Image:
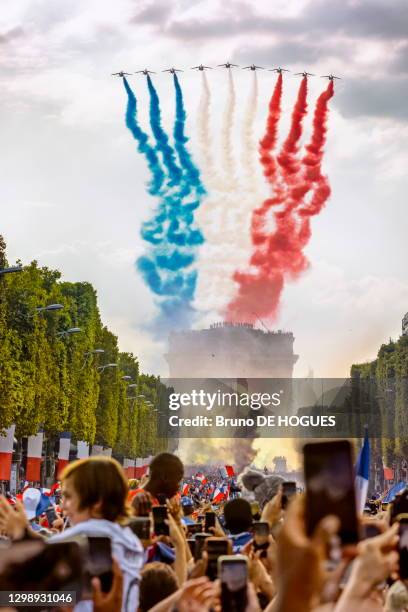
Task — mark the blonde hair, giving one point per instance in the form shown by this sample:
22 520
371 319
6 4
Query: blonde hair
99 480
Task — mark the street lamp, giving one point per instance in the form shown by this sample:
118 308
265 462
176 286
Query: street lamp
94 352
132 386
49 307
90 353
11 270
126 377
102 368
68 332
141 396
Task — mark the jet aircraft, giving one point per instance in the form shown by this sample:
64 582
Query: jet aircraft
172 70
280 70
121 74
253 67
146 72
201 67
304 74
331 77
228 65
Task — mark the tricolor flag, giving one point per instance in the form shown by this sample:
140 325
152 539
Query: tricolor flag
201 478
186 488
362 474
6 452
218 496
227 471
34 457
63 452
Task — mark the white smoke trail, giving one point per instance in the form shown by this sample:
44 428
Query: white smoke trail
203 129
225 216
227 157
248 155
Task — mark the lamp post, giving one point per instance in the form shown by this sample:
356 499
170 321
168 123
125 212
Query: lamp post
69 332
94 352
87 354
49 308
126 377
11 270
104 367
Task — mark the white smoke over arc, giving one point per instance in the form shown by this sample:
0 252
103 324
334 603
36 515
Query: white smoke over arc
225 216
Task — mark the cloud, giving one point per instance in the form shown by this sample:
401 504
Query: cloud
286 52
153 13
350 19
382 97
9 35
399 63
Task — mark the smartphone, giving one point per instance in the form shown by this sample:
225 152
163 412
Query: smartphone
100 561
233 574
199 544
34 565
329 478
194 528
209 520
51 516
159 518
140 526
370 531
403 549
288 491
216 547
261 531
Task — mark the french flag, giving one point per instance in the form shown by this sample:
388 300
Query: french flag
218 495
227 471
185 489
362 474
201 478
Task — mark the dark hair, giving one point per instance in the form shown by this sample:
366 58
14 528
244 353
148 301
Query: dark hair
158 581
237 515
264 487
166 466
99 479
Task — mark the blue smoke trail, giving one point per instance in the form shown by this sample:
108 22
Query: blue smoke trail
192 174
169 159
168 266
142 139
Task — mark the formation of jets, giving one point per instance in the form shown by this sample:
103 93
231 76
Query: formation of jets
228 66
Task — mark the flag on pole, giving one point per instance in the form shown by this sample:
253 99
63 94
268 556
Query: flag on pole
230 471
218 496
362 474
185 489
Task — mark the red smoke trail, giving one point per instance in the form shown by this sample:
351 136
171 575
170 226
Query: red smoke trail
279 255
287 157
268 142
311 162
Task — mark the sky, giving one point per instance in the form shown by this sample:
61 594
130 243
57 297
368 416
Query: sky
73 186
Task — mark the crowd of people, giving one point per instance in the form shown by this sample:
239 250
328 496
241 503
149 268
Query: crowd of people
172 544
